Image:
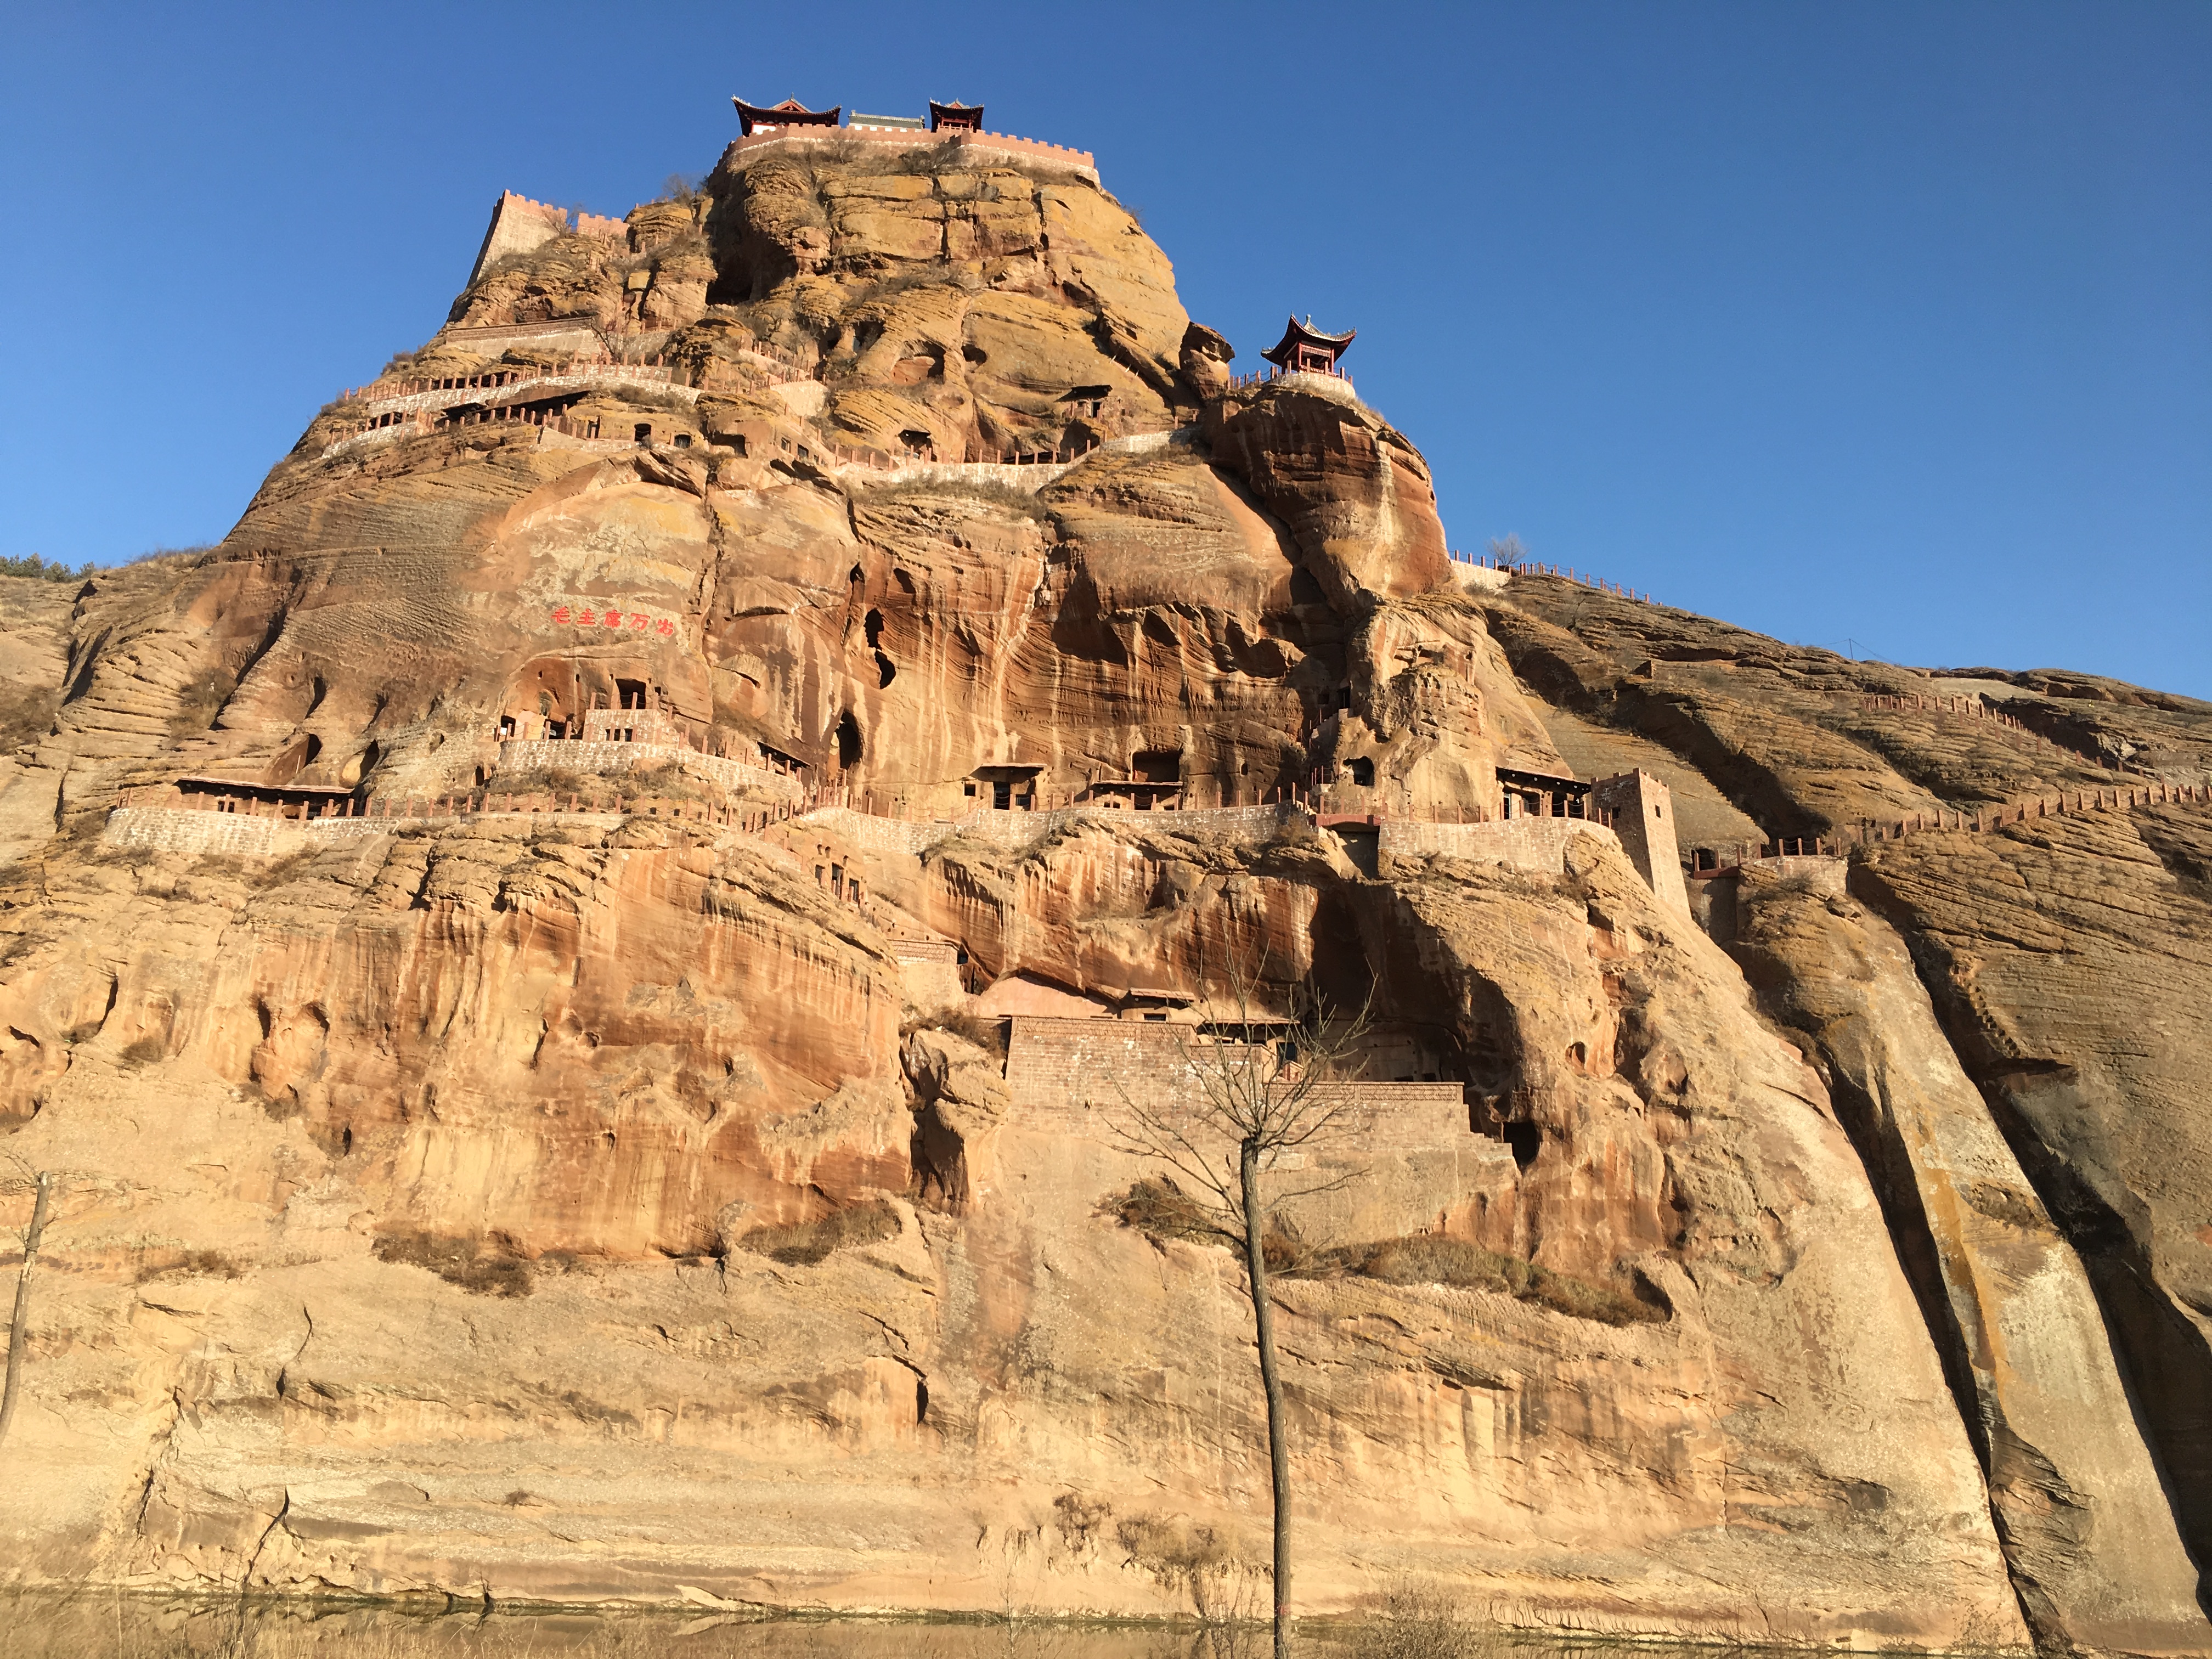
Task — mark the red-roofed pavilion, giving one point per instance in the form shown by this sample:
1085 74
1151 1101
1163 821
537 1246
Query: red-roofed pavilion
788 113
1305 348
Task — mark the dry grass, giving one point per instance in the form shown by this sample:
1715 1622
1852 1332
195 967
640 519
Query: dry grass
104 1625
199 702
1432 1259
803 1244
478 1265
190 1264
1417 1624
26 714
1158 1208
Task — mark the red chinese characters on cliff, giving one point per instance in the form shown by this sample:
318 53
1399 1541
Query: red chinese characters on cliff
586 615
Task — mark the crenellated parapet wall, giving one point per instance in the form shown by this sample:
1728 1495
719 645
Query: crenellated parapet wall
518 224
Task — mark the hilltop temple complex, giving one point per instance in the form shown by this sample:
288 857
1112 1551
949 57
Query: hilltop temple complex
582 976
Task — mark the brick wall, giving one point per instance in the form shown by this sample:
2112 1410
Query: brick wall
932 985
1072 1074
924 950
1405 1152
642 725
172 829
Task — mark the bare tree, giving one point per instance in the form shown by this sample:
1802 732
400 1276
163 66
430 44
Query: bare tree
17 1325
1258 1088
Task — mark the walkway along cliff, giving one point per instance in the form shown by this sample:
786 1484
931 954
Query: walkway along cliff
571 978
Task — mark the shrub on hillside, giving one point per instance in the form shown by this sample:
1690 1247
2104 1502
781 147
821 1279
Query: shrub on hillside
1433 1258
31 565
804 1243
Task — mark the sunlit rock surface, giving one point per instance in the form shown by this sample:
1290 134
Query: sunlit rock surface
578 1204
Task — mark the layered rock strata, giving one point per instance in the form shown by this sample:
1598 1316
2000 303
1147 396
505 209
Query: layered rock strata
591 1204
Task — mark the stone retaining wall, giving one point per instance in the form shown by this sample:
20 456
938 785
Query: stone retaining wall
1031 477
1085 1075
173 830
612 759
513 389
182 829
1537 845
914 837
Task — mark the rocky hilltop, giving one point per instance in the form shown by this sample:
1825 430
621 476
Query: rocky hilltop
573 976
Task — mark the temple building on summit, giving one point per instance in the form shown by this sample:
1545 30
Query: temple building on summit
788 113
955 117
1305 348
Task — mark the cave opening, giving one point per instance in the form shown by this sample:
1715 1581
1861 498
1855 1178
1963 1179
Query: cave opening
1526 1140
848 741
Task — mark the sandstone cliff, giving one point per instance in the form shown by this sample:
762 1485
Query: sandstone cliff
574 1165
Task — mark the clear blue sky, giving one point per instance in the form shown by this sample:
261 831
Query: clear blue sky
1882 326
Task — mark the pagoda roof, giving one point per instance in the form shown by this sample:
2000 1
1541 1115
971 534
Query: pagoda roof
956 115
788 113
1295 334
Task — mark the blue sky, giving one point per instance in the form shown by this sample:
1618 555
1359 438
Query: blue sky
1885 327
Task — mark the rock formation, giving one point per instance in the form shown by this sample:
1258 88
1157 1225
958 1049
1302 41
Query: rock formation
575 974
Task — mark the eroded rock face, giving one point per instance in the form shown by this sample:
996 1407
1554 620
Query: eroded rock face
569 1206
339 1304
2059 954
2094 1549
